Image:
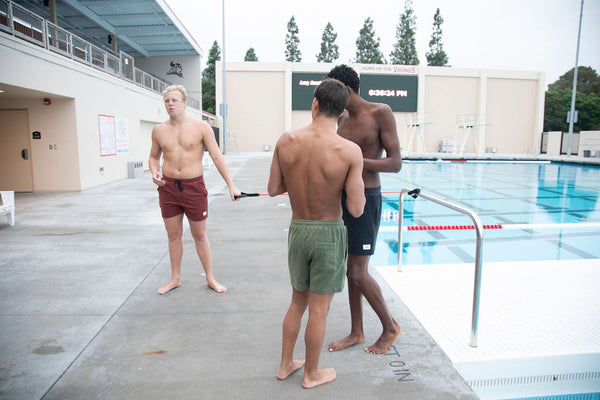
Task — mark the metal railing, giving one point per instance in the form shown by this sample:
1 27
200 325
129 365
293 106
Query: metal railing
28 26
24 24
478 250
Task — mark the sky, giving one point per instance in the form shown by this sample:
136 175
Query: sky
519 35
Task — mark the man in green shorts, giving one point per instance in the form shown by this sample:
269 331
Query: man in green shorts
314 165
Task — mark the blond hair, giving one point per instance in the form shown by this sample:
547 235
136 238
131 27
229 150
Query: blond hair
178 88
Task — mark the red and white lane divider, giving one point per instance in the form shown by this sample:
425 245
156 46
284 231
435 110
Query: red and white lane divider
578 225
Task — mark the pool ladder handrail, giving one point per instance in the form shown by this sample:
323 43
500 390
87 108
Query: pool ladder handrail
478 250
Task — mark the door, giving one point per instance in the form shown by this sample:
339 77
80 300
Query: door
16 172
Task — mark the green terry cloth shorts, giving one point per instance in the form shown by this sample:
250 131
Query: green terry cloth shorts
317 255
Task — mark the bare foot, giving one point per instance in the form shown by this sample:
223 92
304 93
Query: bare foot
320 377
287 370
348 341
173 284
216 286
385 341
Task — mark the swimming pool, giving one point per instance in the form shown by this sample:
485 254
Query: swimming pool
539 280
553 196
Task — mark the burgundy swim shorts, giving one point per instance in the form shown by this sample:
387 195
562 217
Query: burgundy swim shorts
187 196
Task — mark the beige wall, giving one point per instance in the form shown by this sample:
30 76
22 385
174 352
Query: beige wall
56 123
15 149
509 103
509 112
256 108
460 96
54 157
589 140
79 94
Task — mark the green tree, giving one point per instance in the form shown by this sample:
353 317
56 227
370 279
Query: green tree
436 55
208 79
329 50
250 55
558 103
292 42
405 48
588 81
367 47
588 112
587 101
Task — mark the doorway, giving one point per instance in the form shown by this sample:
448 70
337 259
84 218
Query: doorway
16 172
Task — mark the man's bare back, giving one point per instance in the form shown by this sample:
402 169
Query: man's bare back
316 162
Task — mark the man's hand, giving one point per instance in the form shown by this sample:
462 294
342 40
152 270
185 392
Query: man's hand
233 192
157 179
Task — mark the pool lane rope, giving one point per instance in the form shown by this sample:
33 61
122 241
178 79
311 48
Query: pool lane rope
491 226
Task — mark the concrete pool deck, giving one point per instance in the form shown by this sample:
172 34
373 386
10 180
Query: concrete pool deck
539 323
80 317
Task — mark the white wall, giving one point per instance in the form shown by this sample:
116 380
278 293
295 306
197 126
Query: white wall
79 94
589 140
510 103
441 113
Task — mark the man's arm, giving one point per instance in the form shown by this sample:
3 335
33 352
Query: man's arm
389 139
354 186
211 145
276 185
154 160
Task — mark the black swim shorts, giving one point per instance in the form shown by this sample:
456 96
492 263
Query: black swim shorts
362 231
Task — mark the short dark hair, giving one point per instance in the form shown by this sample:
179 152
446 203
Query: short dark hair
346 75
332 96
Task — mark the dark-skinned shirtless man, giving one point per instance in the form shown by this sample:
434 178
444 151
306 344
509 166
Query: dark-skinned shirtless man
372 126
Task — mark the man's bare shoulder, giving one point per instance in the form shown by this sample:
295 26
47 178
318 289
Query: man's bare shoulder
380 108
162 125
340 146
198 122
201 126
160 128
289 136
350 148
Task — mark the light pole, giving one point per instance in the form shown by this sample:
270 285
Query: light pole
224 104
573 95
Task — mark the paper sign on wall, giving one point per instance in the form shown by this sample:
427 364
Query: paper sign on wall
107 135
122 135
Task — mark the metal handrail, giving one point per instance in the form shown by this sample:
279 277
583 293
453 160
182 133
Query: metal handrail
478 250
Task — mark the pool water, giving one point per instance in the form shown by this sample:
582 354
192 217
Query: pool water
580 396
553 196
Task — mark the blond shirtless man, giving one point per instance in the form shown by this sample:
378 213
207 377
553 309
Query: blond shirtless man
181 140
314 165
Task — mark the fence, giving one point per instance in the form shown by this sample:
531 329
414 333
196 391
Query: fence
28 26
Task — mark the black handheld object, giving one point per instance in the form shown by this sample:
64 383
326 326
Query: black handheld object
243 194
414 193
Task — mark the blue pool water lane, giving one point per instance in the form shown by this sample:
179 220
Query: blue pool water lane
548 194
